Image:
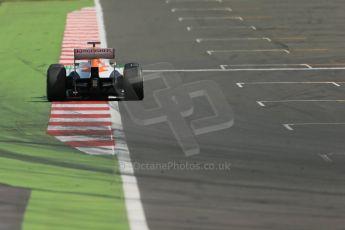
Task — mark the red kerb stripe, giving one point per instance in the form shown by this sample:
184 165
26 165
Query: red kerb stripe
80 116
79 132
90 143
80 123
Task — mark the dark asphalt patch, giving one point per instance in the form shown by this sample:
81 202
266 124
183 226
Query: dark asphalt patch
13 202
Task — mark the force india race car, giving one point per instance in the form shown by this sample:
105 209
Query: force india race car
94 77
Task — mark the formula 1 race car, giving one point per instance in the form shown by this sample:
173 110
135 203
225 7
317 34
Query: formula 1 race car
94 77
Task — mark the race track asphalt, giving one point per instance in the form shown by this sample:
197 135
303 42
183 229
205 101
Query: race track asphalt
281 177
13 202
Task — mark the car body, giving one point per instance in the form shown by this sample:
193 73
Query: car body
93 76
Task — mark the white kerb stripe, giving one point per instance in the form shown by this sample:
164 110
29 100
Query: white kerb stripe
101 150
84 138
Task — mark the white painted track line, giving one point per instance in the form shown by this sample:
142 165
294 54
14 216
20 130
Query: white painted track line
211 52
260 103
244 70
257 17
226 9
263 103
135 212
242 84
190 28
266 65
223 67
210 18
290 126
199 40
197 1
326 157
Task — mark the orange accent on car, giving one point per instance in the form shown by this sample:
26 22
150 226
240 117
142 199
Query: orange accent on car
95 63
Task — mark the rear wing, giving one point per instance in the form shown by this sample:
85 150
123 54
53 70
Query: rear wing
94 53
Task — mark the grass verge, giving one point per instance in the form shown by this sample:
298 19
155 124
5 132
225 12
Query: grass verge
70 190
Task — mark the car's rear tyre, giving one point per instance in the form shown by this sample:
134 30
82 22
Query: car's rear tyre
133 82
56 83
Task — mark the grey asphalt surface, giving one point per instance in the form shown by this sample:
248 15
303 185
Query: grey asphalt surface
277 179
13 202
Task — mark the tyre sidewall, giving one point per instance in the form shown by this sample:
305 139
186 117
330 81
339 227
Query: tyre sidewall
133 82
56 82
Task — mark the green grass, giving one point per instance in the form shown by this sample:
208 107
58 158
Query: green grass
70 190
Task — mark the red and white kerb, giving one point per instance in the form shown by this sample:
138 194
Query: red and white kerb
84 125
